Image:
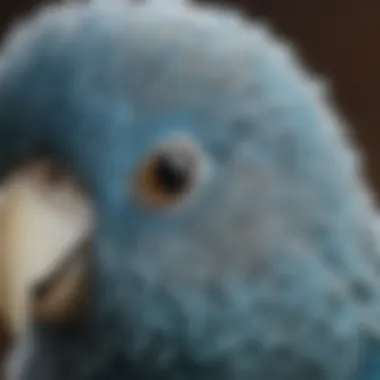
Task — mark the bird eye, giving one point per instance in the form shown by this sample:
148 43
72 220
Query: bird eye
170 174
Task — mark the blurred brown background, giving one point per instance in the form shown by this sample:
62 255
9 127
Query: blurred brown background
337 38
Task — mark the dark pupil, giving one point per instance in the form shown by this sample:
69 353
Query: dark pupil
172 175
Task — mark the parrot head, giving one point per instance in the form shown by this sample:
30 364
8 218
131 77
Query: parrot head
234 234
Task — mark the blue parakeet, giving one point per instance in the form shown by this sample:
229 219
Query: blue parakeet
235 237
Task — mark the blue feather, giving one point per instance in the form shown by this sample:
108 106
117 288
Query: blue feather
369 368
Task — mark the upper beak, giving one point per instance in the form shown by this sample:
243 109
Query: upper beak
44 223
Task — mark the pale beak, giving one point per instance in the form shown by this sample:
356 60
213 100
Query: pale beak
44 220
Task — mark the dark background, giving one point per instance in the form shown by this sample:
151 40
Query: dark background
337 38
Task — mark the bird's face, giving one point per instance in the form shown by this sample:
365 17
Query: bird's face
191 263
202 256
212 172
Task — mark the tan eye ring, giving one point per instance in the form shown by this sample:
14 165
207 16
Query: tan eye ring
170 174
